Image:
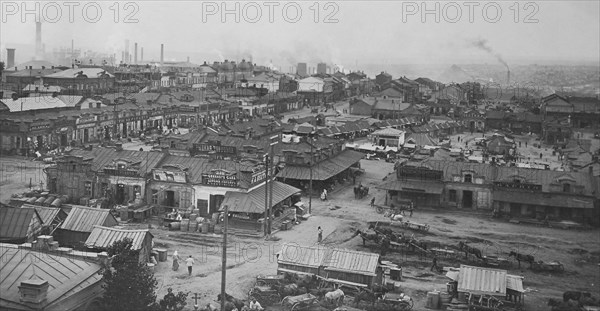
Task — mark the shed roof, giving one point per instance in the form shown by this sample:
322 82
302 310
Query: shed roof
47 214
293 254
83 219
349 261
253 201
103 237
14 222
482 281
65 276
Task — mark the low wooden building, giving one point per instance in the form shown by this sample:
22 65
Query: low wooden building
78 226
342 266
19 225
103 237
488 282
51 217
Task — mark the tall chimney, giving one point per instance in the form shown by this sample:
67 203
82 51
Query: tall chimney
127 54
141 54
188 59
10 58
508 78
38 41
162 54
135 53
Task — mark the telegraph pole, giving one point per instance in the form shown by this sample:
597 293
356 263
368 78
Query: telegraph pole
266 195
274 141
224 259
310 185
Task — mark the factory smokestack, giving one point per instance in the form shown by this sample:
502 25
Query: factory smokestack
135 60
162 54
508 77
10 58
38 41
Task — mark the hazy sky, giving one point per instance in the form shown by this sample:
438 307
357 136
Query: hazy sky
360 31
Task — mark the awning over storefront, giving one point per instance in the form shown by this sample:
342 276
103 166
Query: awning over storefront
431 187
323 170
254 201
543 199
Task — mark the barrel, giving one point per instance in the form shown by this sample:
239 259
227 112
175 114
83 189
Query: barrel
186 215
193 217
396 274
205 226
124 215
185 224
162 254
199 219
193 226
174 226
211 227
196 211
151 266
445 299
56 203
433 300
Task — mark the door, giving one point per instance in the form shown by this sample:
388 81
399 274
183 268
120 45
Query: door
215 203
86 134
170 200
63 140
382 142
467 199
120 195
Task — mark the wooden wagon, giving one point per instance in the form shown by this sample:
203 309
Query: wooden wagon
398 301
495 261
268 280
300 302
264 295
548 266
407 224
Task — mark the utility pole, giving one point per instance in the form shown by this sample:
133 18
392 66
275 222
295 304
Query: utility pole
266 195
310 185
274 141
224 259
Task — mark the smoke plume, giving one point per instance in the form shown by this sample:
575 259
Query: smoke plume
483 45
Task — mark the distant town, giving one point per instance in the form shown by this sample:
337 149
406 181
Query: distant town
327 188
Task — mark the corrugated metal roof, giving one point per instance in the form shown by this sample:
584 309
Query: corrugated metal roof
74 72
294 254
324 169
64 275
47 214
351 261
388 132
83 219
104 156
35 103
515 283
198 166
14 222
410 185
254 201
103 237
482 281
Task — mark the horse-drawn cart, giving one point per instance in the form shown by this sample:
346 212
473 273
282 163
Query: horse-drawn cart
264 295
407 224
398 301
547 266
300 302
268 280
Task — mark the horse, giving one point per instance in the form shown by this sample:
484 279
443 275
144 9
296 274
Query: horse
520 257
368 236
336 296
469 250
231 302
320 292
289 289
574 295
306 281
367 295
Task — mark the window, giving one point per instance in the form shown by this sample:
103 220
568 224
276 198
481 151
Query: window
172 144
154 196
74 167
452 196
88 189
566 187
468 178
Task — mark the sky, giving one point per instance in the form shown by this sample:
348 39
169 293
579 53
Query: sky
344 33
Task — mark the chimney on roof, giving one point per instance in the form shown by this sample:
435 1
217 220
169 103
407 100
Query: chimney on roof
135 60
34 291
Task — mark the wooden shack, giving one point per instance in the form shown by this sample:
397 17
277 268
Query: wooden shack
19 225
103 237
299 259
51 217
80 222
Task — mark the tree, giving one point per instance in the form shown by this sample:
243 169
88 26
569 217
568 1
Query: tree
128 284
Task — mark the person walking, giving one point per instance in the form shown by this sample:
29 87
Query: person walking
373 202
175 261
434 264
320 235
190 263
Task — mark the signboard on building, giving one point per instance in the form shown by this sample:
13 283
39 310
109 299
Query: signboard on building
220 178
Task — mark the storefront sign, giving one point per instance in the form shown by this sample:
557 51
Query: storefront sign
39 127
220 179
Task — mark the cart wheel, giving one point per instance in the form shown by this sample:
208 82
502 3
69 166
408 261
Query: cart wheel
379 209
261 283
294 307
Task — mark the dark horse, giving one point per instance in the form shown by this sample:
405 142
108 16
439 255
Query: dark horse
360 192
231 302
469 250
368 236
520 257
367 295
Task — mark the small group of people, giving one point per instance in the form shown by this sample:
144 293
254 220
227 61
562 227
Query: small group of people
189 262
324 195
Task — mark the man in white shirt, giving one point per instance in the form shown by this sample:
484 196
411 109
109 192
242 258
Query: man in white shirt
255 305
190 262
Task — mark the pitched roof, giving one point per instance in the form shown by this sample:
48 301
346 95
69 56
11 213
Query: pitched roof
254 201
36 72
388 132
294 254
47 214
41 102
349 261
14 222
103 237
198 166
65 275
74 72
102 157
482 281
83 219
